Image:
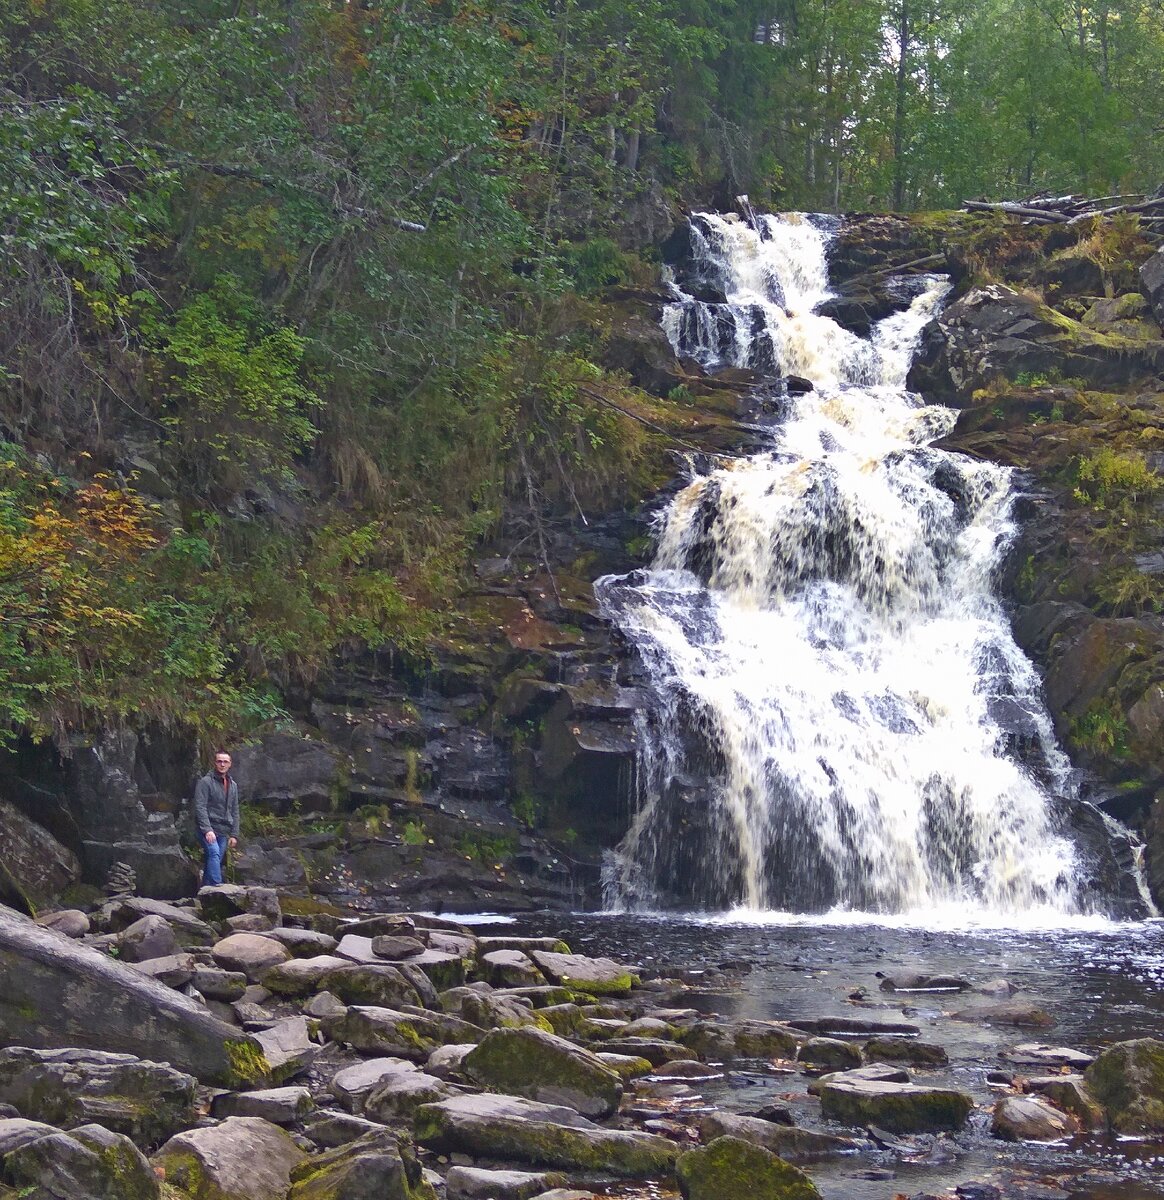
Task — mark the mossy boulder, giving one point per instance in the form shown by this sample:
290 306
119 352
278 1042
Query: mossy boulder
595 976
741 1039
513 1129
790 1142
905 1050
412 1035
1127 1079
379 1165
829 1054
358 983
542 1066
729 1166
898 1107
89 1161
242 1158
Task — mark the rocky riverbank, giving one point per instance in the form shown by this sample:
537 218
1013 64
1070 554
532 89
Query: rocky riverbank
227 1047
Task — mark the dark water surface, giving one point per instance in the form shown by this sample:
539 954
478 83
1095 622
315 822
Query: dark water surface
1101 984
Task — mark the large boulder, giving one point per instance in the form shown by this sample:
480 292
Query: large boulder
790 1142
385 1031
38 866
542 1066
110 1007
1152 283
90 1162
1127 1079
147 1101
473 1183
283 770
730 1166
242 1158
251 953
518 1130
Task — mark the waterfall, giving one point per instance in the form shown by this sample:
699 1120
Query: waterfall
841 716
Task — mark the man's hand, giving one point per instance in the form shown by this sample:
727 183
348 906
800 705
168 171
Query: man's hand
209 837
232 842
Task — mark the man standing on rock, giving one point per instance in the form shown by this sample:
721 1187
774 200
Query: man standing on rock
216 811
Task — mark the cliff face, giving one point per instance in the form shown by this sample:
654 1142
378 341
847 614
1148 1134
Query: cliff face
495 772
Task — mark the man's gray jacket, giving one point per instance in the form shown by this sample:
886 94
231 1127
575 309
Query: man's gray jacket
215 806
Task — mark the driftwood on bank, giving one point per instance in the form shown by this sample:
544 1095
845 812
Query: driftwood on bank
1068 210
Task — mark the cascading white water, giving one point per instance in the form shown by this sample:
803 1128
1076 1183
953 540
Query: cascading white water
839 697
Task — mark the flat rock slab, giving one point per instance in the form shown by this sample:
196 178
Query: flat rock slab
790 1142
188 927
595 976
723 1040
905 1050
912 981
396 1098
898 1107
389 1032
304 943
216 984
525 945
472 1183
517 1130
377 983
174 970
1013 1012
732 1167
146 1101
243 1158
58 994
510 968
1031 1119
328 1127
542 1066
854 1027
280 1106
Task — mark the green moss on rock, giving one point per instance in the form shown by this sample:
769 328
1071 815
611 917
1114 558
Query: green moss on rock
732 1167
1127 1079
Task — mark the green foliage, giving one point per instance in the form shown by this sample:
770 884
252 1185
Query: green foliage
1101 730
1114 479
528 810
415 834
495 850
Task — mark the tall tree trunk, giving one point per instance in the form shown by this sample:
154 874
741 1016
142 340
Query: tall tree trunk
903 34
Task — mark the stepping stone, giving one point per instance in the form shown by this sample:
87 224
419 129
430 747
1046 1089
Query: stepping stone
898 1107
1036 1054
596 976
1031 1119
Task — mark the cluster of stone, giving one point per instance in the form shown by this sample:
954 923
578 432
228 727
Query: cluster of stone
224 1049
121 880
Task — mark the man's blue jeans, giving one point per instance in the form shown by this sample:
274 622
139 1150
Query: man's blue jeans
213 860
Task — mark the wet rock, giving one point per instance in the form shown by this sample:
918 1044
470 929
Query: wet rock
905 1050
251 953
730 1166
1068 1092
630 1066
854 1027
829 1054
89 1161
1031 1119
1127 1079
472 1183
242 1158
787 1140
377 1166
1016 1012
1037 1054
898 1107
146 1101
911 981
874 1073
280 1106
489 945
654 1050
111 1007
541 1066
519 1130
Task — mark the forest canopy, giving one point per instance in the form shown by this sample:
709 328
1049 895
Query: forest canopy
297 295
